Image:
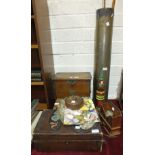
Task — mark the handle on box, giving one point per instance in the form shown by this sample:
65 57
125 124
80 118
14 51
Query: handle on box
71 82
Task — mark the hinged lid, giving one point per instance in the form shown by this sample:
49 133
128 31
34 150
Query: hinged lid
72 76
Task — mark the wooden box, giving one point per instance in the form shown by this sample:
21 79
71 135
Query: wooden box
67 84
112 124
65 138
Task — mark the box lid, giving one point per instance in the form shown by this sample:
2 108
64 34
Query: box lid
72 75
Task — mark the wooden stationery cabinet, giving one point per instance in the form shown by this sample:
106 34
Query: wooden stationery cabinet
67 84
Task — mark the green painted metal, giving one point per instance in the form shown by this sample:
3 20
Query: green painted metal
104 28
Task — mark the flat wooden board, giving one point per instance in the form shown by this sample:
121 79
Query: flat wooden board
34 46
41 106
37 83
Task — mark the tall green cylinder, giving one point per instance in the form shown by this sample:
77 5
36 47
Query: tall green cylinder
104 28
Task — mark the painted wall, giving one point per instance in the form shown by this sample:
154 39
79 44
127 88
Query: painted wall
67 32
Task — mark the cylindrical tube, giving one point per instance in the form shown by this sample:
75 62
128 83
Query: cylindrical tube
104 28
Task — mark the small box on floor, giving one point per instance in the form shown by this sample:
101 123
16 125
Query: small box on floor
111 118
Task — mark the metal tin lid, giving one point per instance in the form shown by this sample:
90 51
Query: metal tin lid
105 12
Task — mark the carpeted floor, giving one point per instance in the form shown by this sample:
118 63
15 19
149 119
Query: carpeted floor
113 146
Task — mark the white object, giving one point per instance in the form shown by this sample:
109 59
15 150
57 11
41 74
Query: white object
77 127
73 101
107 23
56 103
104 68
34 123
95 130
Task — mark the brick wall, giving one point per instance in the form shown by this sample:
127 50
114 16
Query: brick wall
67 32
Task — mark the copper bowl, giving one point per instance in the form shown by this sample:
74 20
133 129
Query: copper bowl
74 102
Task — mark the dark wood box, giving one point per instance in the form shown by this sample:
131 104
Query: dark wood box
112 124
67 84
65 139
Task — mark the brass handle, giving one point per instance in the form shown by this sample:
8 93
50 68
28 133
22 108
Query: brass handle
71 82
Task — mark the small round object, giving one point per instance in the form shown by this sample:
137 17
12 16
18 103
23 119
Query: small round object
113 109
109 113
55 126
107 24
93 126
74 102
77 129
55 118
87 125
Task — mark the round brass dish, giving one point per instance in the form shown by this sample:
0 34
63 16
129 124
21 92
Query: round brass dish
74 102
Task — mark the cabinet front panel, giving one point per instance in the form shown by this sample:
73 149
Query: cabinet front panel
66 88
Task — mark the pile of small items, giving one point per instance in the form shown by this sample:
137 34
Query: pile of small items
83 117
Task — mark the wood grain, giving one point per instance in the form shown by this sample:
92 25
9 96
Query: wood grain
34 46
65 139
37 83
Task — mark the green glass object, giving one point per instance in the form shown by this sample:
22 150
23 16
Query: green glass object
55 117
